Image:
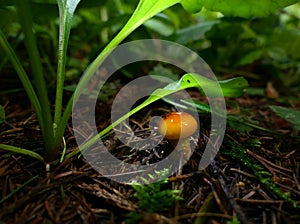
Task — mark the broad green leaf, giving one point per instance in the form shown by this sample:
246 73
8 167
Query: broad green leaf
290 115
2 114
239 8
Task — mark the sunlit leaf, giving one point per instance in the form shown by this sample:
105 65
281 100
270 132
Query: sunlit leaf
239 8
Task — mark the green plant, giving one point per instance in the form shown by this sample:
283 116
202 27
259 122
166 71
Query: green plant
153 197
53 128
262 48
234 220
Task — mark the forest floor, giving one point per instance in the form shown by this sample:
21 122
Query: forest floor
254 177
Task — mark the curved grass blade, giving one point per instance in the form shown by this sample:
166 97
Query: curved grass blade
22 151
22 75
231 87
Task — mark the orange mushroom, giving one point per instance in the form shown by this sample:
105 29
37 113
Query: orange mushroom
177 127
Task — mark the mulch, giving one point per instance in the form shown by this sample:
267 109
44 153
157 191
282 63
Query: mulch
73 192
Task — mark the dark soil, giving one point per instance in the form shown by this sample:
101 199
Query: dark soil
73 192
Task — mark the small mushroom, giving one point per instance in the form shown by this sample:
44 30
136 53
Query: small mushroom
178 127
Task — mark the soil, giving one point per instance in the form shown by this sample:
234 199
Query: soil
74 192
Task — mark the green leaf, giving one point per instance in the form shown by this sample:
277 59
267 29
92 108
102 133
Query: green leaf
160 70
66 12
2 114
290 115
284 43
234 87
161 24
192 33
239 8
192 6
250 57
255 91
22 75
23 152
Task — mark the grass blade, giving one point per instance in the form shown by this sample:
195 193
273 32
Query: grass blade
22 151
24 13
18 189
66 11
22 76
231 87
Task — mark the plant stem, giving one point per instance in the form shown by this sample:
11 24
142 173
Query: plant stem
25 17
64 33
63 123
183 147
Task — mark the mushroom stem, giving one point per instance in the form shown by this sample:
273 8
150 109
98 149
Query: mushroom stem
183 147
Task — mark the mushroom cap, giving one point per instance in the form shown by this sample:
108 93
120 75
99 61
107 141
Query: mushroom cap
177 125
